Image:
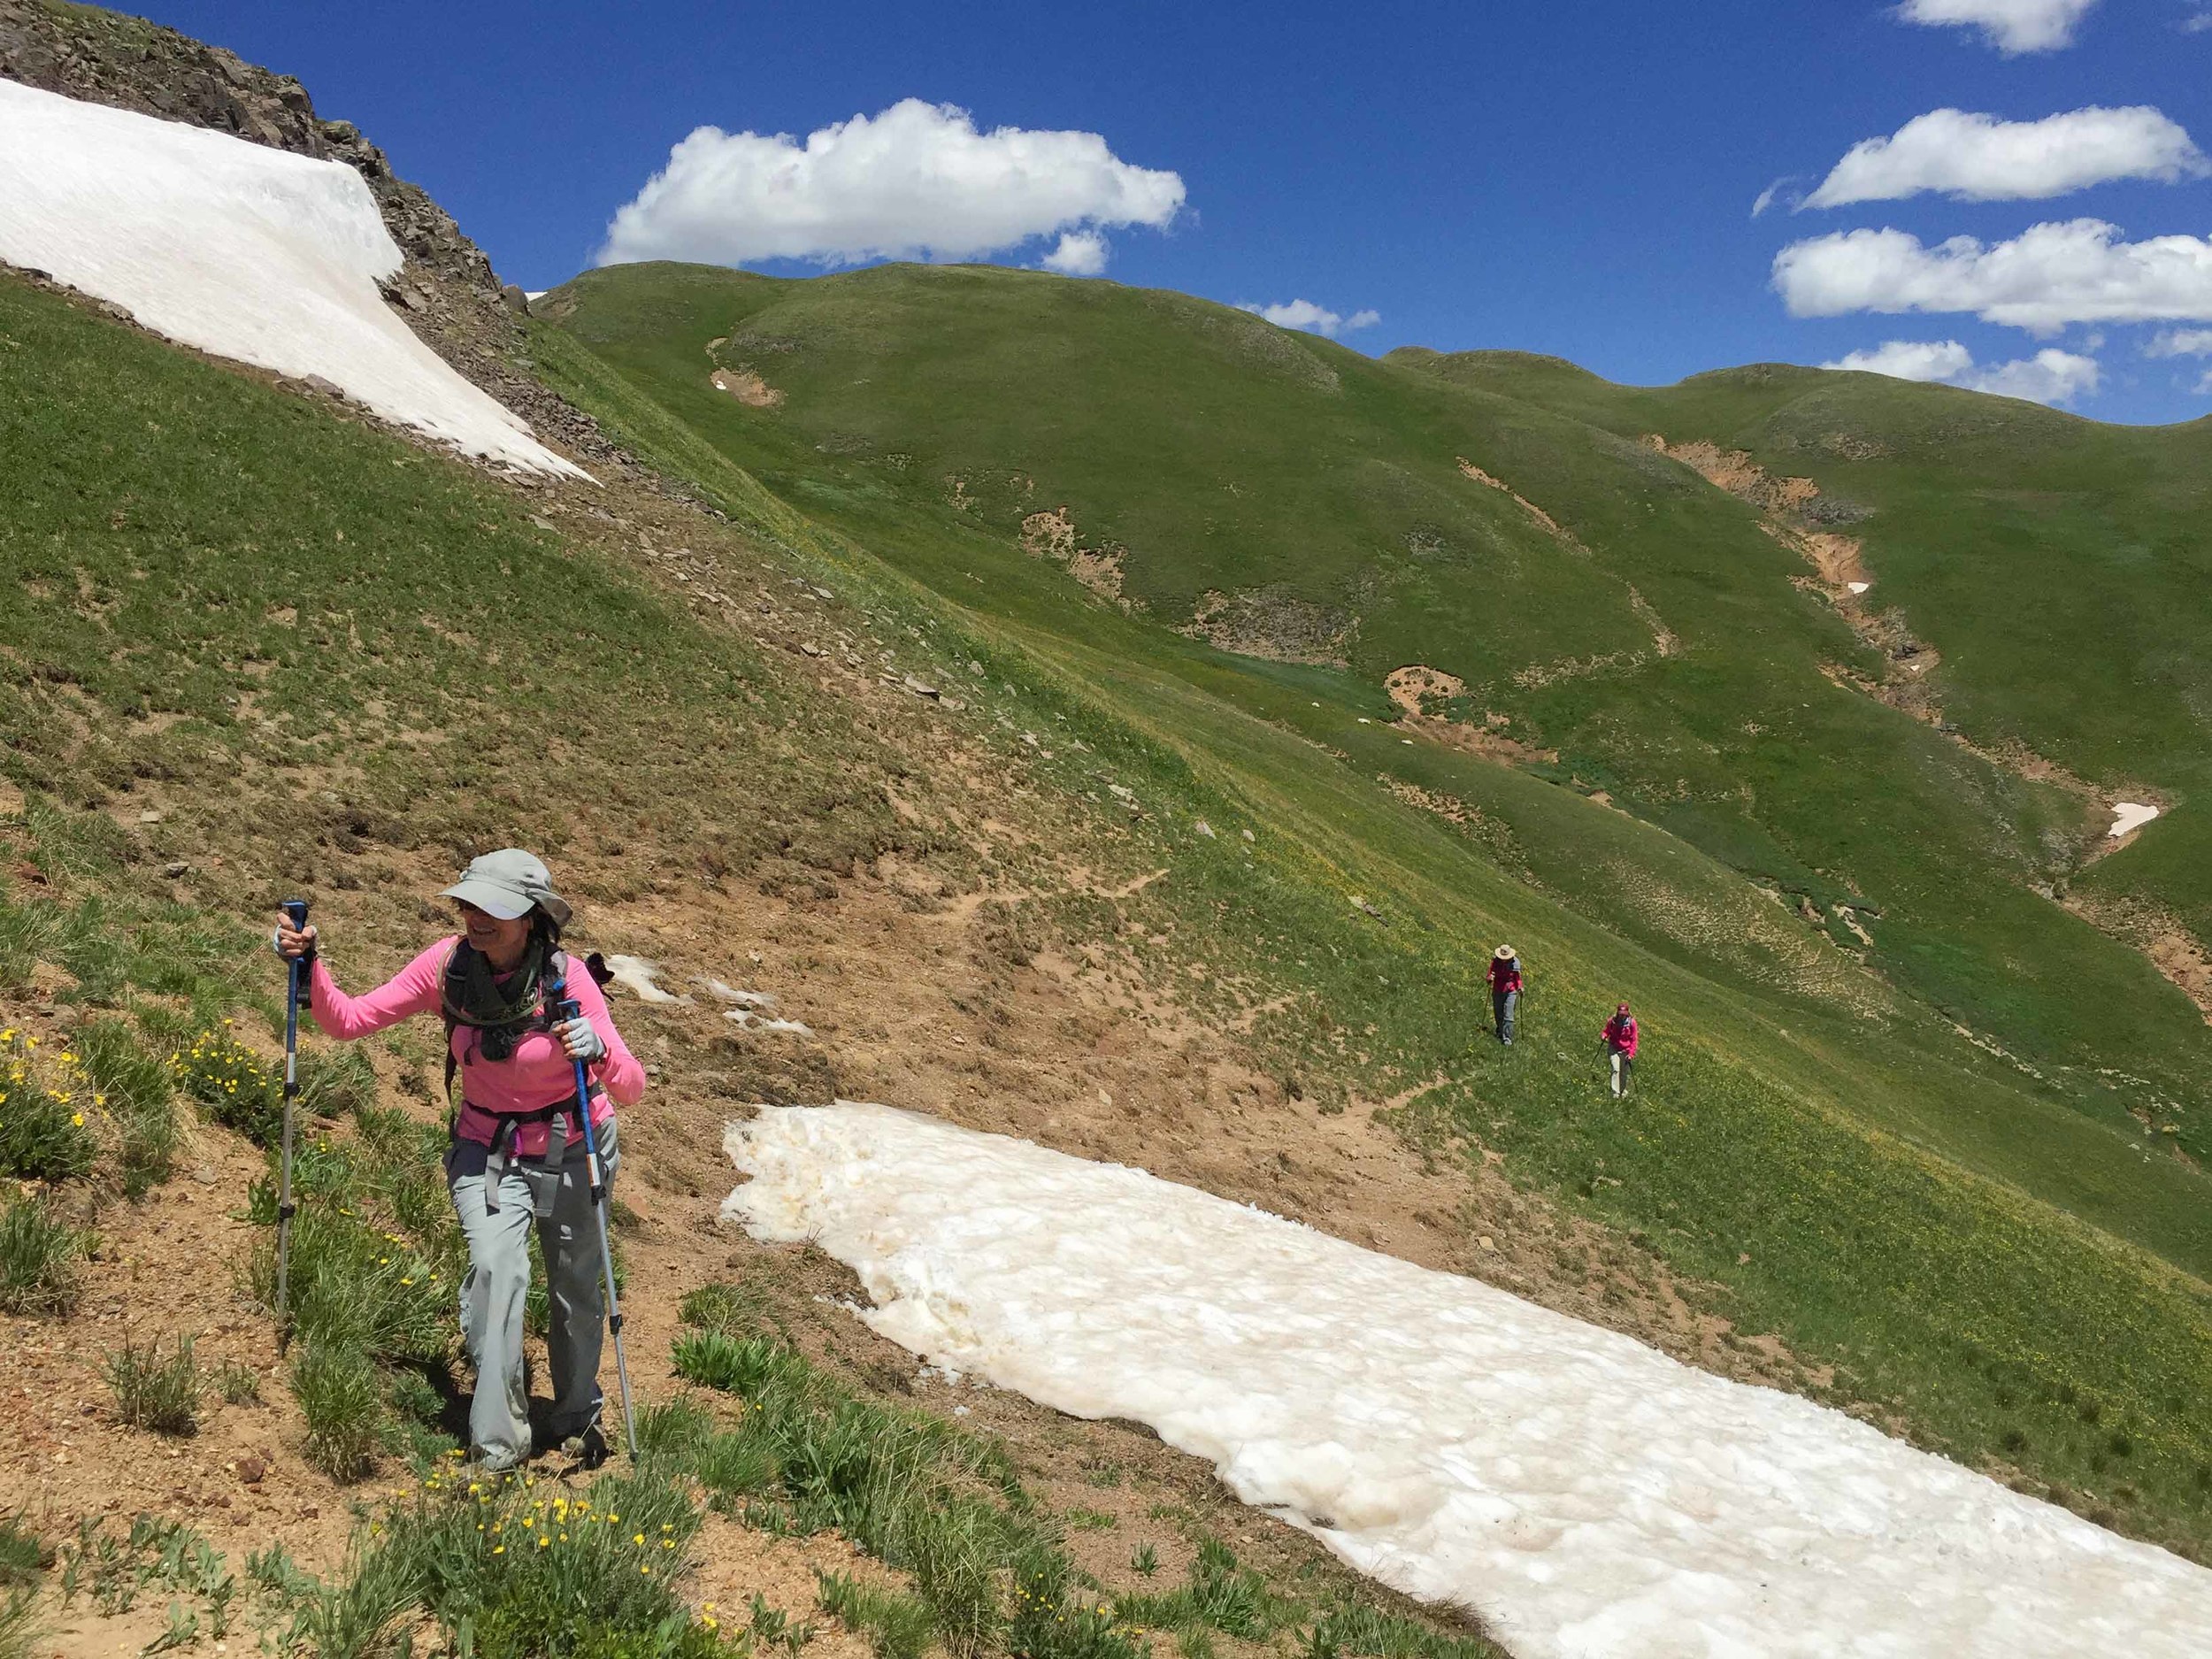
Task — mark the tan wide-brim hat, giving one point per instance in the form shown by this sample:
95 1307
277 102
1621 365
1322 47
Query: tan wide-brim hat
1505 953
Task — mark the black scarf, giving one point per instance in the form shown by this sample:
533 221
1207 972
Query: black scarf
501 1016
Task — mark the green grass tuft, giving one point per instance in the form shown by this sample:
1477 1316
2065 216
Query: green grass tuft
138 1095
38 1259
337 1388
22 1630
544 1573
336 1083
154 1392
897 1625
744 1366
23 1552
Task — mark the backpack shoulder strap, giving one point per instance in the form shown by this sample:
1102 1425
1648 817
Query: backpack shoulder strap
449 984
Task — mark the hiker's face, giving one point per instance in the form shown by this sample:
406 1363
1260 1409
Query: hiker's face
501 941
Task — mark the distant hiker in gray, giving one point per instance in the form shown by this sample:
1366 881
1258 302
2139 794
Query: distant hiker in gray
1505 991
516 1156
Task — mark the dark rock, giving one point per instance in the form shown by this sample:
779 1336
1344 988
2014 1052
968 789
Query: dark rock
515 300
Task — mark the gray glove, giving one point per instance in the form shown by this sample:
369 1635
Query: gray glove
583 1040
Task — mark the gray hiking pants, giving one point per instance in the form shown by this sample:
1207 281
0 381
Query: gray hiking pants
1503 1004
497 1284
1622 1066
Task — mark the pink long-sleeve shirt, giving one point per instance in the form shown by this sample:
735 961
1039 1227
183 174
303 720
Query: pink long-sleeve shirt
541 1074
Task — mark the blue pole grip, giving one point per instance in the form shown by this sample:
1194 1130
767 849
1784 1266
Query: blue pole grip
296 910
563 1009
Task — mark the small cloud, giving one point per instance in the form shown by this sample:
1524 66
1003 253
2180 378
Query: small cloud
1910 360
917 181
2181 342
1081 253
2195 23
1980 158
1315 319
1775 192
2078 271
2013 27
2050 376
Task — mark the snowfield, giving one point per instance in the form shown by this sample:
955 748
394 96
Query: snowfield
1586 1495
2129 815
243 251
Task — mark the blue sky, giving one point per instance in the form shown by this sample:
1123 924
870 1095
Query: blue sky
1573 178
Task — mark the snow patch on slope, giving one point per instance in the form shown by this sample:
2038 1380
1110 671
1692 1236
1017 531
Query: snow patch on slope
2129 815
1588 1495
240 250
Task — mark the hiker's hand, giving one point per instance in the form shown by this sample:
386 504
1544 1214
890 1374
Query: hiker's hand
294 944
581 1039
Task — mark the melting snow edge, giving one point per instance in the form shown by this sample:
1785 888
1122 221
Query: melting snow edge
1585 1493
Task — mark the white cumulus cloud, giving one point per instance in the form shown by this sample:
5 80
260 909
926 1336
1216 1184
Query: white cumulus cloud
2013 27
1910 360
2181 342
1980 158
918 181
2050 376
1315 319
2050 276
1079 253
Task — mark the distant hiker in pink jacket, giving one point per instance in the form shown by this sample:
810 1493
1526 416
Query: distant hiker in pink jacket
1620 1042
1505 991
517 1154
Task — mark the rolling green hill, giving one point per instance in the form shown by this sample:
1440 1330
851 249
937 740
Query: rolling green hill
1643 626
2061 567
1885 1113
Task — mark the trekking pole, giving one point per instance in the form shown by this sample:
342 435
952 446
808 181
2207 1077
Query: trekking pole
295 979
564 1011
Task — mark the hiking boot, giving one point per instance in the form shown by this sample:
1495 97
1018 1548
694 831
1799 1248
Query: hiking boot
589 1449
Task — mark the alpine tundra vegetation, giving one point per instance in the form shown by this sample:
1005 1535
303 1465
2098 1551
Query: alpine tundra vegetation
1088 715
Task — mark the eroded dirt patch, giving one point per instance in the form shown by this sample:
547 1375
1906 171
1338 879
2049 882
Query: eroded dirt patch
1274 624
1052 535
2172 948
1550 525
747 387
1422 693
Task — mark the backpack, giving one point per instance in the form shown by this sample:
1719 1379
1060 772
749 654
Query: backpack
453 994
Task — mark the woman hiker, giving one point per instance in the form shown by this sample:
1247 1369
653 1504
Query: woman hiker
1505 991
517 1150
1620 1043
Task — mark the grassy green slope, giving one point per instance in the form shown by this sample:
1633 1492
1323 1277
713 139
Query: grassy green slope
253 609
2063 568
1884 1194
920 406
